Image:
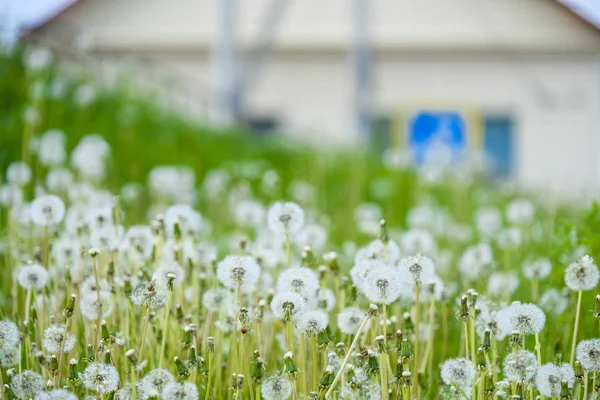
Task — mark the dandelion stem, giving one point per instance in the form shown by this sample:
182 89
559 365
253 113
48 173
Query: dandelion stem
208 384
538 349
585 383
575 328
347 357
416 344
290 335
144 332
165 327
133 388
384 317
315 366
61 354
466 329
99 318
383 373
534 289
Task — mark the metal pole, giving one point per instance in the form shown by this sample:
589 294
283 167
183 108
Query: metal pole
226 63
362 70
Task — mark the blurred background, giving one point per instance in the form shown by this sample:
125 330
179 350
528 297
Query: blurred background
513 85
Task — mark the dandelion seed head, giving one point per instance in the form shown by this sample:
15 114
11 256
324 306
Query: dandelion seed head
418 241
312 322
537 269
59 179
99 377
18 173
276 388
361 271
150 294
382 286
287 305
520 212
588 354
324 299
350 319
32 276
520 366
92 306
54 336
313 235
9 334
301 280
488 221
526 318
285 218
180 391
502 283
216 299
166 268
553 301
27 384
458 372
56 394
249 213
156 380
495 321
474 260
238 271
419 268
582 274
388 253
189 220
549 377
9 356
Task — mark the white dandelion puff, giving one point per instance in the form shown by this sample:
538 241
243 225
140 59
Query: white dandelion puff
474 260
156 380
287 305
180 391
56 394
285 218
537 269
18 173
520 212
47 210
349 319
588 354
27 384
149 294
54 336
169 267
554 301
526 318
9 356
32 276
520 366
458 372
582 275
383 286
9 334
312 322
419 268
216 299
549 377
94 306
99 377
301 280
502 284
237 271
276 388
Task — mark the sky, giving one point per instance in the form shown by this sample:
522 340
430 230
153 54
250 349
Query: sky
15 13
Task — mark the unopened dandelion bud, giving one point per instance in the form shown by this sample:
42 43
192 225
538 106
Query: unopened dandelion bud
270 295
50 384
340 348
322 269
94 252
473 296
409 325
257 368
313 396
515 340
344 282
327 378
170 279
40 357
597 308
132 357
68 276
53 364
73 375
110 269
579 372
105 333
399 339
399 369
407 378
307 257
178 312
464 308
177 231
331 259
239 381
372 363
373 310
90 353
405 352
70 306
187 336
182 370
260 310
210 344
383 232
323 338
380 344
289 365
565 393
244 319
487 341
480 359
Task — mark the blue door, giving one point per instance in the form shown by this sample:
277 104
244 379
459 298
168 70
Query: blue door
498 145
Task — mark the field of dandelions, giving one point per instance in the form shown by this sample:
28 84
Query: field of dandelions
146 257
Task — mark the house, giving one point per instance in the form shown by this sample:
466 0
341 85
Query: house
518 79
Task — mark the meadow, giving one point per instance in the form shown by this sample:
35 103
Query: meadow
145 255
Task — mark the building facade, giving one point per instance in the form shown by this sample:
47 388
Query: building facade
522 74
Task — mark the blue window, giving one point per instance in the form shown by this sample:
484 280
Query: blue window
498 145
